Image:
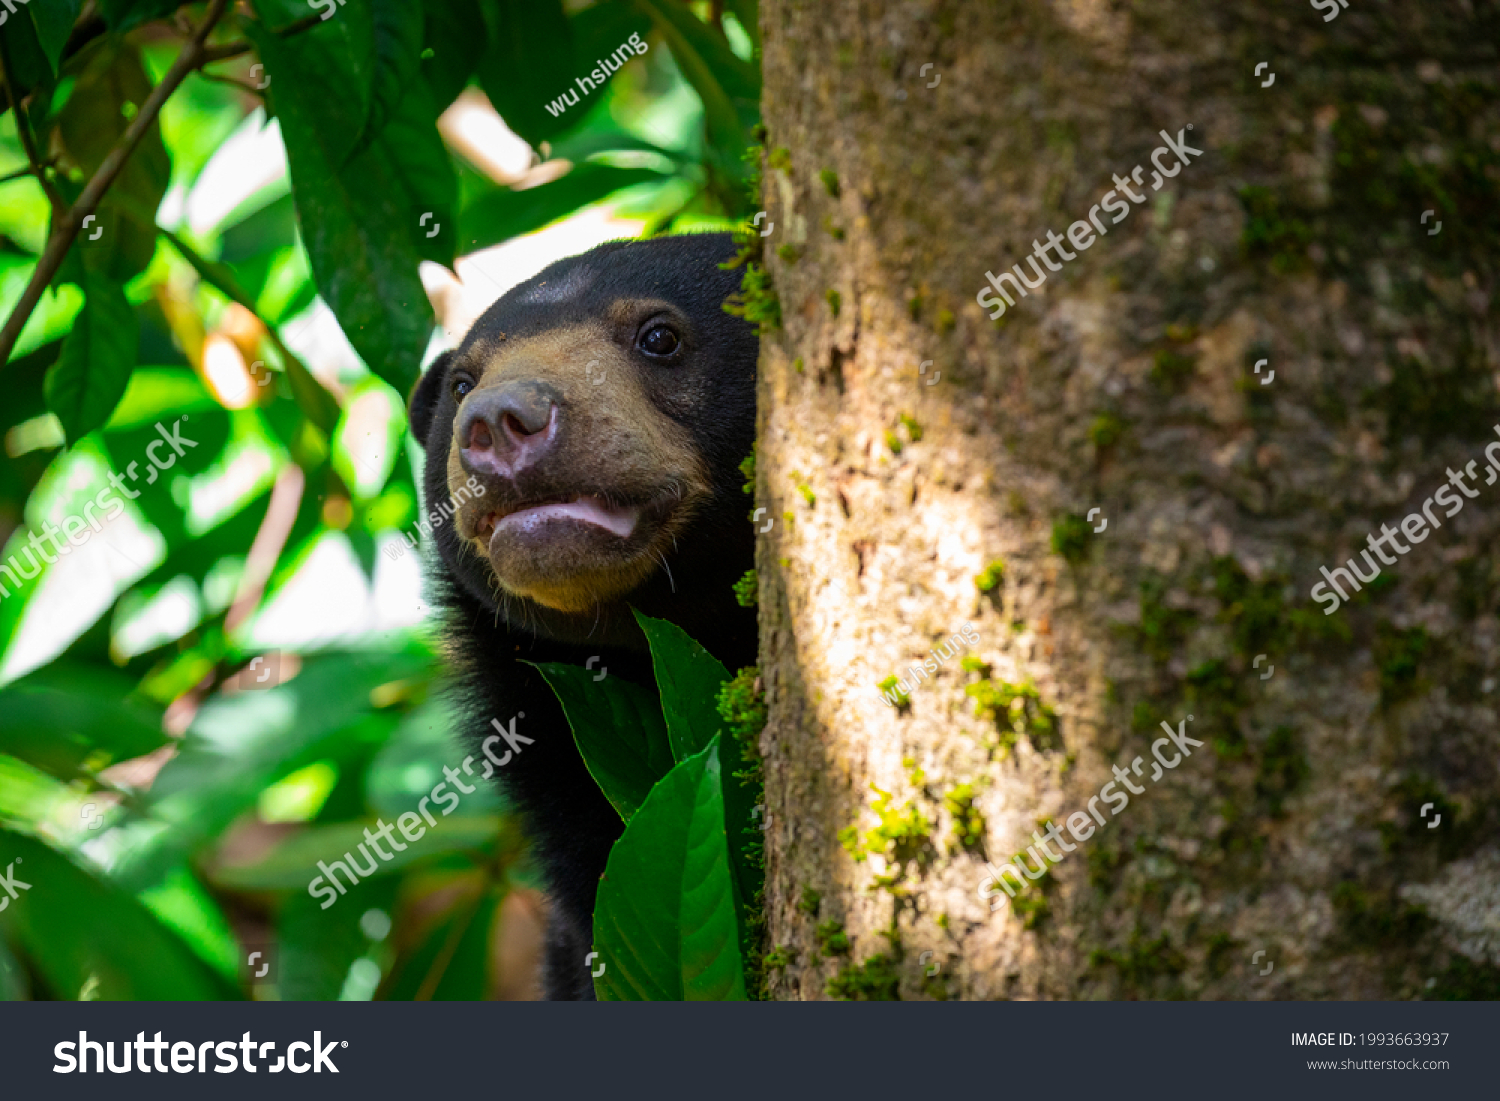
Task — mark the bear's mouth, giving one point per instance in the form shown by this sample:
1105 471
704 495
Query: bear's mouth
526 517
572 549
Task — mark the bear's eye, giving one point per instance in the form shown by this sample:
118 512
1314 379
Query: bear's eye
658 340
461 385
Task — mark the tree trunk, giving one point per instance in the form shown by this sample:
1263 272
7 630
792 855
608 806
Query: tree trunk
1269 357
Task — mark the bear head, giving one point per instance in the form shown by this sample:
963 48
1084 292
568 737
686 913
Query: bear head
586 437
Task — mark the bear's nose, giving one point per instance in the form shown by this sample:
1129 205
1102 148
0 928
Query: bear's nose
507 428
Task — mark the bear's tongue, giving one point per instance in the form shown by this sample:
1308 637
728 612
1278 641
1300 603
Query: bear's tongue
590 510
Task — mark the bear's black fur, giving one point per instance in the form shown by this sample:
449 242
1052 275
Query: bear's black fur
566 395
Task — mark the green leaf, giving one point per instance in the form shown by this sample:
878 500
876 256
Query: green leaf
91 374
63 714
664 920
600 133
619 731
54 21
111 88
529 63
421 163
599 30
29 65
322 78
502 214
81 931
688 678
457 36
183 905
29 796
397 32
158 394
360 221
266 229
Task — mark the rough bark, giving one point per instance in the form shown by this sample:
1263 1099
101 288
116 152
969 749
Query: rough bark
1127 383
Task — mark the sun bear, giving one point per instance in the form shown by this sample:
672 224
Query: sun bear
604 407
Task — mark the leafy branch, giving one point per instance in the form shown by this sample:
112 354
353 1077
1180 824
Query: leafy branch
65 230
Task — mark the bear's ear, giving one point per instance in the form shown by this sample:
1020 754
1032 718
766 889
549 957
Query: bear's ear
424 397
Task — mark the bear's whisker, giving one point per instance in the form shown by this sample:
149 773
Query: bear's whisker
663 560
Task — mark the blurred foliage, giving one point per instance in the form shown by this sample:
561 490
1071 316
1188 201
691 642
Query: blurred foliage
215 668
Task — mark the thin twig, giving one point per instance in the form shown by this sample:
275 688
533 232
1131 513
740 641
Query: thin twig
66 228
23 131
